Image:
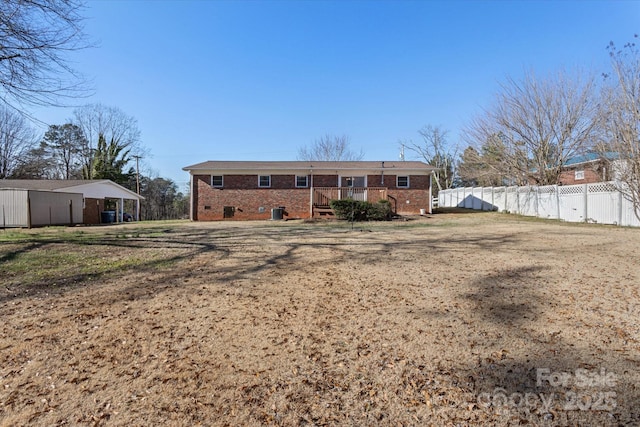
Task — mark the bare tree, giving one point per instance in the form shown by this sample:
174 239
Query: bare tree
330 148
16 139
622 120
542 123
110 122
36 164
36 37
436 151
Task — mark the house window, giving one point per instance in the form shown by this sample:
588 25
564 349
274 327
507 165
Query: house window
302 181
264 181
402 182
579 174
216 180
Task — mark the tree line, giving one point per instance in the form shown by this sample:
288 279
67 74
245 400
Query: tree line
526 136
537 123
99 142
37 38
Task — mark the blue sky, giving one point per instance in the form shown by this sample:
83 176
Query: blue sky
256 80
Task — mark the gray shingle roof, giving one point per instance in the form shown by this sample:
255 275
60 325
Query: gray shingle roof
315 165
43 184
63 184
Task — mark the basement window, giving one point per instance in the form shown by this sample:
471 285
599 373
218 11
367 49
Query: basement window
402 182
216 180
264 181
228 211
302 181
579 174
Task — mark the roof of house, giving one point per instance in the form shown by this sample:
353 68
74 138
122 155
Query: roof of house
591 157
308 165
96 188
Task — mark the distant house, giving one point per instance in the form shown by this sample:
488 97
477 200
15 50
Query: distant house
27 203
589 168
252 189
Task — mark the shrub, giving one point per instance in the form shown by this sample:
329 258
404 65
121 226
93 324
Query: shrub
358 210
380 211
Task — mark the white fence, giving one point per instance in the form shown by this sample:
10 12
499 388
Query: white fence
599 202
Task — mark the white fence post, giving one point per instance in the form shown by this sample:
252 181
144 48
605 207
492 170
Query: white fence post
557 189
492 199
586 202
619 207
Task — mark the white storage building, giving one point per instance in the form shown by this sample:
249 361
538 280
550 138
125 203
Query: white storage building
33 203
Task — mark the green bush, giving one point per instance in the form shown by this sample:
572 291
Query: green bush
380 211
358 210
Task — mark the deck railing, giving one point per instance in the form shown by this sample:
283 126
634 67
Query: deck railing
323 195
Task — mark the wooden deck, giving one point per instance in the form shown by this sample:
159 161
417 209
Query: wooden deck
322 197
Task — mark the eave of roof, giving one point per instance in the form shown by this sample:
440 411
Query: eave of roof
59 184
307 165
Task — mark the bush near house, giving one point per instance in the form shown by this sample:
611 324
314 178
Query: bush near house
358 210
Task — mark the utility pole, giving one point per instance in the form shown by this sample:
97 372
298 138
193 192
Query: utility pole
137 173
137 186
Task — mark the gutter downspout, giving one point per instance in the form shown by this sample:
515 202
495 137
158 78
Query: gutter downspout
191 196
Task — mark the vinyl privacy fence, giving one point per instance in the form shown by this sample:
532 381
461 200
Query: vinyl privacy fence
599 202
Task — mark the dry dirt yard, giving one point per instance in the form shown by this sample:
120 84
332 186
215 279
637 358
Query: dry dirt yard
451 320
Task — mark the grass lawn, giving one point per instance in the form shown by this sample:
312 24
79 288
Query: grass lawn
453 319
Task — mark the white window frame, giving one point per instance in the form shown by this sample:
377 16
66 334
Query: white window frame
398 181
306 181
260 181
578 175
221 181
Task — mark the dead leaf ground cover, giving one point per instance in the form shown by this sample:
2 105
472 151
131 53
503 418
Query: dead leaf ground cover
447 320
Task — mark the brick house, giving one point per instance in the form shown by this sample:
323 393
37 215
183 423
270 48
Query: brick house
244 190
589 168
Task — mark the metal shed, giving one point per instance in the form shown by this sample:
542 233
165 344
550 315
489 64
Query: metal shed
93 193
35 208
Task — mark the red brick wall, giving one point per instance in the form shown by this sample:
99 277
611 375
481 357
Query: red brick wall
248 198
242 193
567 177
92 209
325 180
246 182
409 201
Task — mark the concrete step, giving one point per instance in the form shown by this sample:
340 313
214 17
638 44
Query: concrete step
322 211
